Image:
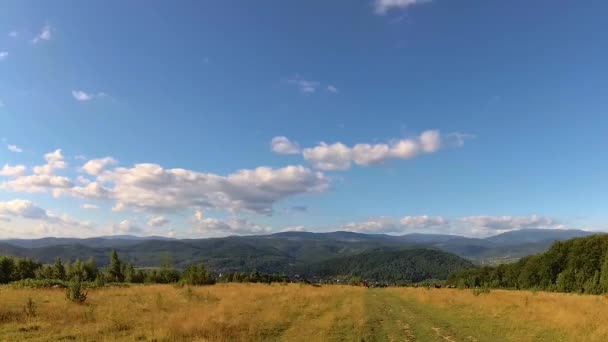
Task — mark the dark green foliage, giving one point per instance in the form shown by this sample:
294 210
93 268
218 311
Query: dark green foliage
115 270
577 265
12 269
392 266
75 291
197 275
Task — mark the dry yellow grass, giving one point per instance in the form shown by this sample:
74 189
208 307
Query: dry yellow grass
256 312
576 317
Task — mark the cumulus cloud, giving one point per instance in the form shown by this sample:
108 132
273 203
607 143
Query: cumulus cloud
332 89
12 171
126 227
14 148
37 183
151 187
382 7
92 190
282 145
329 157
510 222
375 225
3 55
390 225
423 221
45 35
339 156
28 210
54 161
89 206
234 225
469 226
42 179
82 96
157 221
96 166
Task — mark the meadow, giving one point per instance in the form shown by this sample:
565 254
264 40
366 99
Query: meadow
298 312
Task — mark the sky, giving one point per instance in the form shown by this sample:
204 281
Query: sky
196 119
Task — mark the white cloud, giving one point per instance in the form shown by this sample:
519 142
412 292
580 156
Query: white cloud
3 55
282 145
338 156
151 187
199 215
332 89
505 223
306 87
81 95
118 207
54 161
24 209
92 190
329 157
383 6
157 221
13 34
14 148
83 180
37 183
126 227
387 225
423 221
96 166
294 229
28 210
233 225
45 35
375 225
12 171
89 206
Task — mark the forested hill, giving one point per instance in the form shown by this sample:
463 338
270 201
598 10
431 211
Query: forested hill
577 265
393 266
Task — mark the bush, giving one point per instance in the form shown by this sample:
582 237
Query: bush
481 290
30 308
75 292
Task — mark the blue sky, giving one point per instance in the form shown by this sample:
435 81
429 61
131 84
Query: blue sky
390 116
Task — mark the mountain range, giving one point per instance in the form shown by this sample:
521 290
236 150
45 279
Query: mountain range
282 252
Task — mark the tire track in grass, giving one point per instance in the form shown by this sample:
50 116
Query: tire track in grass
385 321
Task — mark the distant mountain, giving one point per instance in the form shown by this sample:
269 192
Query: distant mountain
282 252
536 235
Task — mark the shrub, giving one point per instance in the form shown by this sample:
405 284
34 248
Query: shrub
75 292
30 308
481 290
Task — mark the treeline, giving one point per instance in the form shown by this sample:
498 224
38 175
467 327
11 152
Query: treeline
577 265
17 269
22 269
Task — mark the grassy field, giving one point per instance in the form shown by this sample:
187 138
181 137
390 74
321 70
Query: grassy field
255 312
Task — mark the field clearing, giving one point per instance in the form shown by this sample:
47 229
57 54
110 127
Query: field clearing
256 312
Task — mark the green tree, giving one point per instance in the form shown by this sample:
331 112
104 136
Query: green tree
115 269
58 269
197 275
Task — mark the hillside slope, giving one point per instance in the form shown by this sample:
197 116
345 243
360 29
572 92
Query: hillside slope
408 265
576 265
